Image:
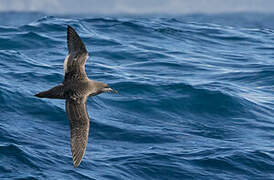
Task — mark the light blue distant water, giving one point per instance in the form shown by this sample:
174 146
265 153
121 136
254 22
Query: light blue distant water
196 97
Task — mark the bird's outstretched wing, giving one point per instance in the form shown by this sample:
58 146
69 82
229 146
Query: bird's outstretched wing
56 92
79 127
74 64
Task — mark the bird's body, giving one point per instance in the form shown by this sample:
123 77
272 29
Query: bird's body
75 89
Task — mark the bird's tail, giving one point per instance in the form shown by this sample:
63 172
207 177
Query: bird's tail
54 93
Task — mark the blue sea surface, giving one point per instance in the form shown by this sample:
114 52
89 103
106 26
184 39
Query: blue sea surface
196 97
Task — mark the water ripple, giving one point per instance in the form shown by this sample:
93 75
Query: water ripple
195 98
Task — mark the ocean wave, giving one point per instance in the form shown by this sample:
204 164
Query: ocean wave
195 99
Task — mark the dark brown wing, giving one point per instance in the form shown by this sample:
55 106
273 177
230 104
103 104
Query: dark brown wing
79 127
74 64
75 44
56 92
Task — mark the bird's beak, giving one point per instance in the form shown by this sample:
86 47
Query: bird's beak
110 90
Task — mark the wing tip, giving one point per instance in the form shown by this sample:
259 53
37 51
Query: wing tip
70 31
77 160
76 164
69 27
40 95
78 152
75 44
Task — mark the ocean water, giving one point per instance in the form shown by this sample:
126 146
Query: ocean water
196 97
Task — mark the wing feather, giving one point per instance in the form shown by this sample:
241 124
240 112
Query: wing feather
74 64
75 44
56 92
79 127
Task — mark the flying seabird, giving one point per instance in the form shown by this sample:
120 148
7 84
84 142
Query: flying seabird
75 89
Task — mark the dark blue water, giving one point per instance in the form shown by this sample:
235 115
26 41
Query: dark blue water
196 97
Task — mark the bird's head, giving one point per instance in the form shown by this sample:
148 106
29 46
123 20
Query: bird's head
106 88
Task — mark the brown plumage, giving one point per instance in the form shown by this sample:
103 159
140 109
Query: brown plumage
75 89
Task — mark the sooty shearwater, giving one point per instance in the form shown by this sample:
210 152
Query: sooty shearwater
75 89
